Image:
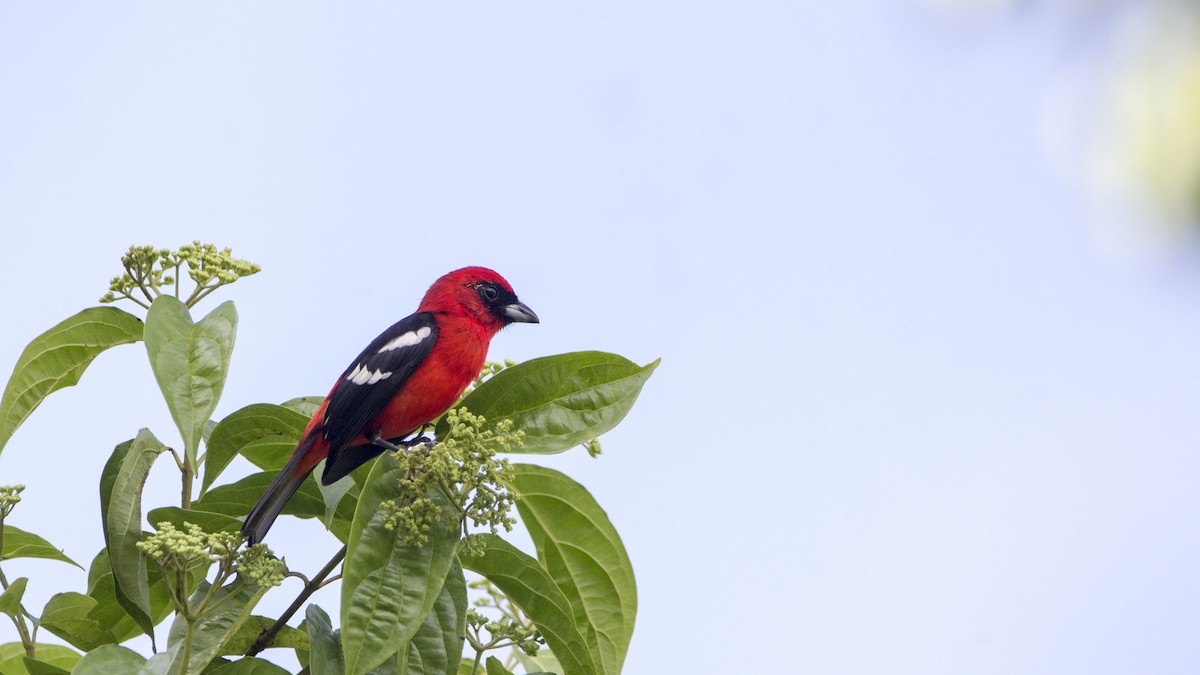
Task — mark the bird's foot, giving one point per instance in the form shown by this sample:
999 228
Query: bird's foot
419 438
379 442
398 444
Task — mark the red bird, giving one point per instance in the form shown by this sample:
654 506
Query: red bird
410 374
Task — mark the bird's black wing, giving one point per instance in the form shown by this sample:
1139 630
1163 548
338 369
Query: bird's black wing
374 378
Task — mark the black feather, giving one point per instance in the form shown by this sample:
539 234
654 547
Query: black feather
352 406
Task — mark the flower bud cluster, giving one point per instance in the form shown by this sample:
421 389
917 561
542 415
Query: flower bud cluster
10 496
260 566
188 548
465 467
193 548
149 269
206 263
142 270
521 635
416 517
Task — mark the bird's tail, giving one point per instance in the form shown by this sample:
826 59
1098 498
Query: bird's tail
278 493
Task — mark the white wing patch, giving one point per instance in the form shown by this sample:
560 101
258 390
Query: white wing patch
361 375
408 339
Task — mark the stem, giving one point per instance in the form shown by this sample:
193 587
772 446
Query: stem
298 575
203 293
139 302
188 475
189 468
139 280
268 635
19 621
222 575
179 592
26 641
173 580
193 297
187 646
478 645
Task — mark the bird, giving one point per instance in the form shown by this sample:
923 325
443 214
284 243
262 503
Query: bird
403 380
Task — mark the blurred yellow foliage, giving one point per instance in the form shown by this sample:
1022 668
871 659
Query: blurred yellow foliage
1158 109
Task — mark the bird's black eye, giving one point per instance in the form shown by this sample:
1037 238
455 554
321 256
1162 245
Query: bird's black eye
488 292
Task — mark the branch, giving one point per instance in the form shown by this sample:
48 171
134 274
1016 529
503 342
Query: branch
267 637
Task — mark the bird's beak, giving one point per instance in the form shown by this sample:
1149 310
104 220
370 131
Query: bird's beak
518 312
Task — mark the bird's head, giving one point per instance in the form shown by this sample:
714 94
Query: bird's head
479 293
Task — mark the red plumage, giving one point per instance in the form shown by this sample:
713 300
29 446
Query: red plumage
410 374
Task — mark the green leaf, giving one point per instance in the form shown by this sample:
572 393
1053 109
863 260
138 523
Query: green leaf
236 499
305 405
270 453
246 634
10 599
36 667
530 587
543 662
190 361
246 666
57 358
12 657
57 656
326 655
325 647
334 494
207 520
494 667
341 519
208 429
230 608
389 587
121 510
437 647
559 401
21 544
578 545
67 616
259 423
109 659
161 663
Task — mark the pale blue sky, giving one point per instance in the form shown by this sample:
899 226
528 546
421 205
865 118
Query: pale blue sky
910 418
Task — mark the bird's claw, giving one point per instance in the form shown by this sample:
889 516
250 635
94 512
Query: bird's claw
420 438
